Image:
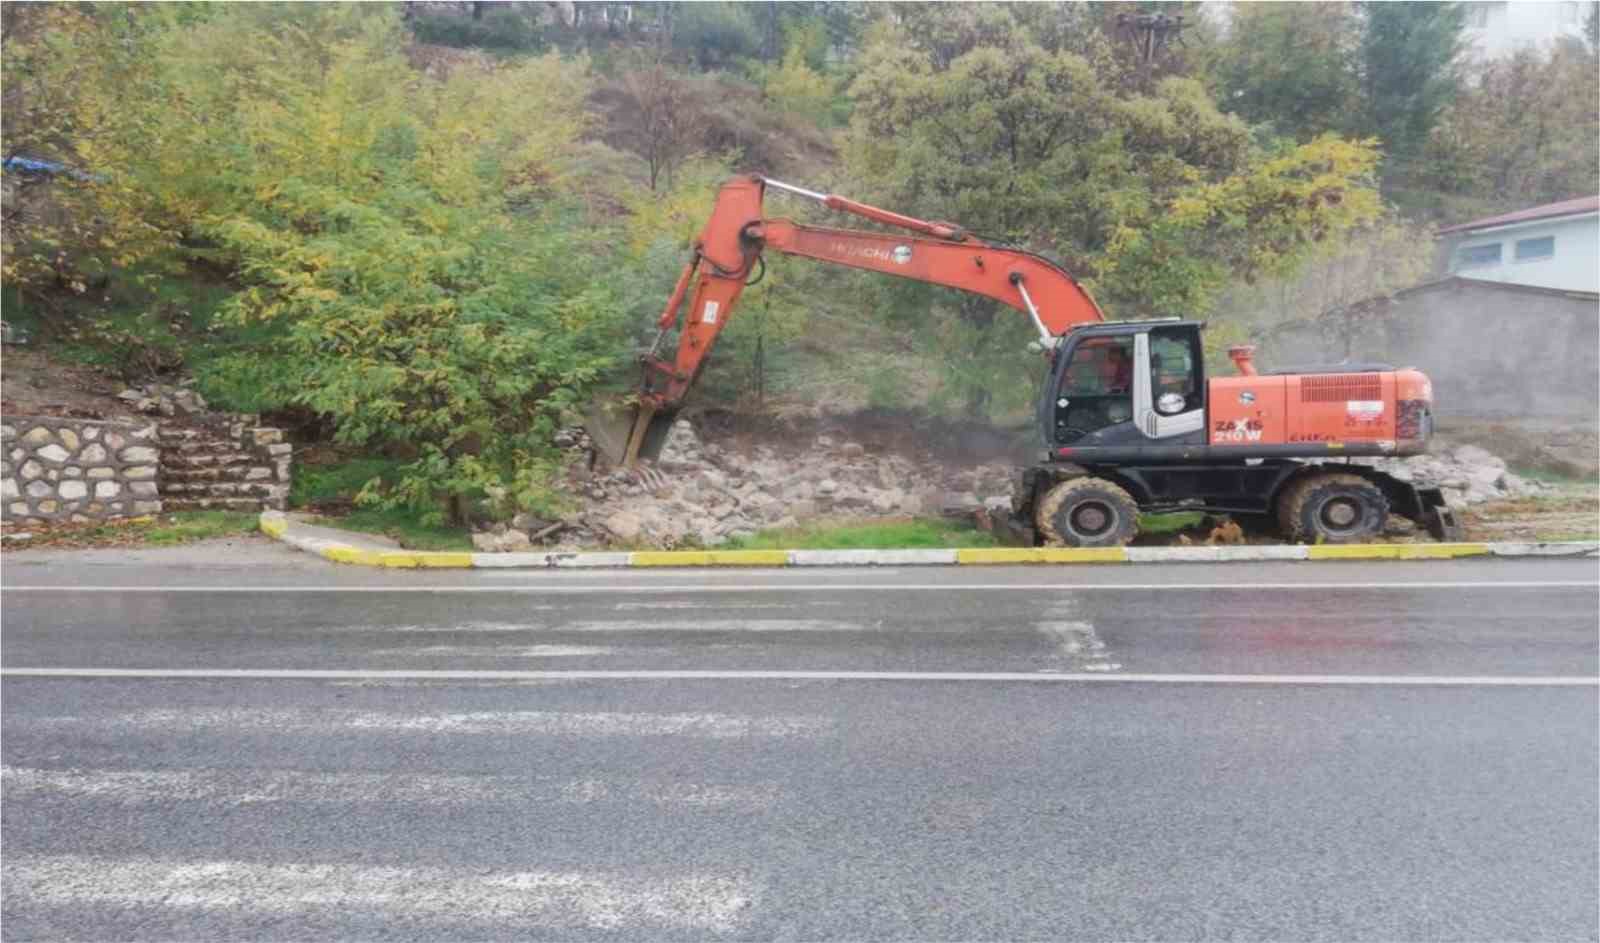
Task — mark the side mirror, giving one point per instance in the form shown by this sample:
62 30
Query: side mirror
1170 404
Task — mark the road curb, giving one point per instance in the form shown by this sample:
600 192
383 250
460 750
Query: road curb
276 525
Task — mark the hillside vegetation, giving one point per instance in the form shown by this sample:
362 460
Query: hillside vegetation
427 232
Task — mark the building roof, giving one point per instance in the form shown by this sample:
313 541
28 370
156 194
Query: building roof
1579 206
1457 282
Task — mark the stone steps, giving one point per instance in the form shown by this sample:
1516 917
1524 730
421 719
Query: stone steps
216 504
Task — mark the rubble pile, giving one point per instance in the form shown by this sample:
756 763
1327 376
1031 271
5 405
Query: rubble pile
165 399
701 494
1467 474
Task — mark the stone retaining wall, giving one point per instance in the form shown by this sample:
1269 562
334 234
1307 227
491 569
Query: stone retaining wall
77 470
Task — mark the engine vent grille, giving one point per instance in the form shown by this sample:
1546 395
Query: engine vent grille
1338 387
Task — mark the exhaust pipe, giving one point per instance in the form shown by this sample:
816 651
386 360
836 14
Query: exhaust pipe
1243 358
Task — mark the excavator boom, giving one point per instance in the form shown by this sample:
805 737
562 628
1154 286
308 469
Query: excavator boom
737 233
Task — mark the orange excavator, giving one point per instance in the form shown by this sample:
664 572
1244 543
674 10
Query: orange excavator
1128 419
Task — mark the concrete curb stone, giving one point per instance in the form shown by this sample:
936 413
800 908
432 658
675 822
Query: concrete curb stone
278 526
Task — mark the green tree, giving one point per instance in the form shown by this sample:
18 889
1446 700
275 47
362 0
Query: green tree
1157 200
1409 54
1524 130
406 259
714 34
1291 66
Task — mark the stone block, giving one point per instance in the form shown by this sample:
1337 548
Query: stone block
54 453
145 434
95 507
18 507
625 525
90 433
140 471
259 473
138 453
107 489
8 488
92 453
47 506
280 448
147 507
38 435
69 439
72 471
115 440
267 436
17 454
72 489
104 471
80 519
39 489
7 432
142 488
53 475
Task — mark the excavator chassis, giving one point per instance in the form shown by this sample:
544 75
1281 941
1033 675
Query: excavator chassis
1216 488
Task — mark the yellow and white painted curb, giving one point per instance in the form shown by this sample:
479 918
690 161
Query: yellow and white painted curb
276 525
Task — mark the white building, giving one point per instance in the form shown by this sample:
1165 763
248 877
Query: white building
1552 246
1496 28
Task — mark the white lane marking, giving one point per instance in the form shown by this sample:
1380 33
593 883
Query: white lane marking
652 606
714 625
455 627
499 651
251 787
522 723
1079 645
1076 641
315 674
702 902
690 588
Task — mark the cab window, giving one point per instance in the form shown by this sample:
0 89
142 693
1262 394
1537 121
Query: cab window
1099 367
1175 360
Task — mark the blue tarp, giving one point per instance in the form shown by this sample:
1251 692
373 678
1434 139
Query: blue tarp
30 165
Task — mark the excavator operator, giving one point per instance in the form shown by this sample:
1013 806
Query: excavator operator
1121 370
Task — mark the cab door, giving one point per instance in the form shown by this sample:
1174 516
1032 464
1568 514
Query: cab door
1089 400
1169 382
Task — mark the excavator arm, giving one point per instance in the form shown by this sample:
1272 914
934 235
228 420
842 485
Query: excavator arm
732 242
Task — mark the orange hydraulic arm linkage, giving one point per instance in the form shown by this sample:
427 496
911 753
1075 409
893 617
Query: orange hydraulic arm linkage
940 253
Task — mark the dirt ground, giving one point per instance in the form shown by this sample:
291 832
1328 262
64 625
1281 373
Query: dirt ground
32 384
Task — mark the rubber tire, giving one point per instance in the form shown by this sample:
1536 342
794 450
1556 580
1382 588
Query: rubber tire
1054 516
1301 508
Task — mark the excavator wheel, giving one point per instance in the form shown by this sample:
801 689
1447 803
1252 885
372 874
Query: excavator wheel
1087 512
1332 508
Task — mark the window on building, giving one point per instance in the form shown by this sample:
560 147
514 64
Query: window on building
1530 249
1477 256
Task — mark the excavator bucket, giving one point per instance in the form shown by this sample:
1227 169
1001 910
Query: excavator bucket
626 431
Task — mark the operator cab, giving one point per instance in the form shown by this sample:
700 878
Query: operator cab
1126 383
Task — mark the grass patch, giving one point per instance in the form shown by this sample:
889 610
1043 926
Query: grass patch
338 482
918 533
1153 524
411 533
166 530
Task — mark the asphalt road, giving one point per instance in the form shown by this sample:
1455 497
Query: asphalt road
1294 751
